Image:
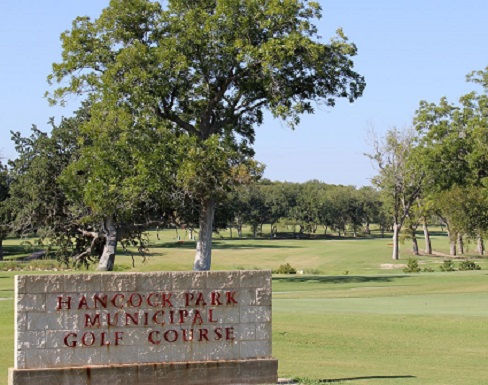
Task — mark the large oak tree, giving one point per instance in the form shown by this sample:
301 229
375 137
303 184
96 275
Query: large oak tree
209 68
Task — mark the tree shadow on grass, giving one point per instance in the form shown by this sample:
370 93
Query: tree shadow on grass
216 245
339 279
327 381
10 251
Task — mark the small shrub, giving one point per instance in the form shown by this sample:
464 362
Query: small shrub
469 265
412 266
285 269
311 271
428 270
448 265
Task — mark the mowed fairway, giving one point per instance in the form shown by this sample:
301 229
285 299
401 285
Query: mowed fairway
356 322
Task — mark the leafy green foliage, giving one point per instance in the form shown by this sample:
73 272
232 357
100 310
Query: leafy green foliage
469 265
412 266
285 269
448 265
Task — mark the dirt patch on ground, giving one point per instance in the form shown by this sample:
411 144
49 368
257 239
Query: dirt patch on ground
388 266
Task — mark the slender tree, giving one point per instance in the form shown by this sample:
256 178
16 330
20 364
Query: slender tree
400 177
4 209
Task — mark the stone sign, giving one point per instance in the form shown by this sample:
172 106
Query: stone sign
209 327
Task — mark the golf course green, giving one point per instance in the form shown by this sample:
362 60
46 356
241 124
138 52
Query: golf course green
351 317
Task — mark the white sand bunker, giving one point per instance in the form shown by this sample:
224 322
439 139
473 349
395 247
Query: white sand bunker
392 266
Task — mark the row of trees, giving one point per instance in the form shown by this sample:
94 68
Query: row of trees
439 167
303 208
173 92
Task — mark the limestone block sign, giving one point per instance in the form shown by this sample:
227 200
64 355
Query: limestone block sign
108 319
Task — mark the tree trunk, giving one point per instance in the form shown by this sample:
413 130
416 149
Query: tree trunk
396 251
481 245
203 256
460 243
107 259
1 249
452 241
230 228
428 242
415 246
452 248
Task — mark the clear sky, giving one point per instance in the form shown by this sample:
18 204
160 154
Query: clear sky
409 50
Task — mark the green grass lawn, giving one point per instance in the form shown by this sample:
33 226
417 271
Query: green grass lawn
354 323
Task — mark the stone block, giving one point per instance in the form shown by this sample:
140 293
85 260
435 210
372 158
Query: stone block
45 321
247 297
223 279
263 297
246 332
31 302
263 331
189 280
31 340
231 372
256 279
81 283
121 282
154 282
255 349
255 314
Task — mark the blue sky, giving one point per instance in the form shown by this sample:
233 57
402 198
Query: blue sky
408 51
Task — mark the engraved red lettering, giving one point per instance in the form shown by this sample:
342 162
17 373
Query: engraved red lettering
103 342
218 334
135 300
120 305
183 315
88 339
118 336
146 318
200 300
203 334
83 303
216 298
187 335
229 334
210 316
116 319
197 318
100 300
134 318
188 297
155 317
151 339
91 322
149 302
168 338
230 297
72 343
62 302
167 300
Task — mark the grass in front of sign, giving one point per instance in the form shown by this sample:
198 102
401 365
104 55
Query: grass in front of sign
383 330
358 323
